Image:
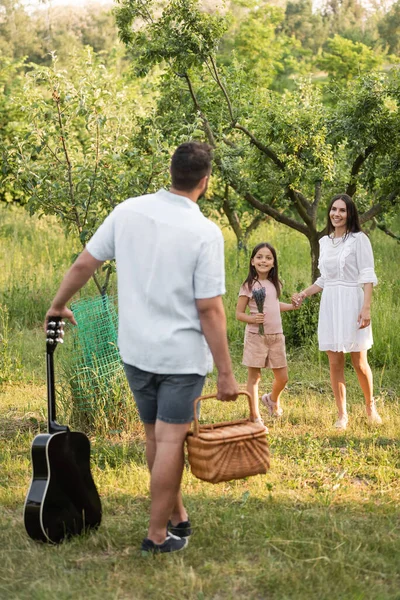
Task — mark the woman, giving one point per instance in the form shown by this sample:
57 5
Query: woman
346 264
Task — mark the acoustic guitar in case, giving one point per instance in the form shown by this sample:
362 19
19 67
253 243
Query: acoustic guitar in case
62 500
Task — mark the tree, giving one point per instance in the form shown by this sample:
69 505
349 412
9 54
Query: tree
283 155
74 158
309 27
389 28
11 125
345 60
17 32
259 41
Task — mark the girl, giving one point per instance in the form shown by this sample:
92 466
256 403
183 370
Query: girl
346 265
266 350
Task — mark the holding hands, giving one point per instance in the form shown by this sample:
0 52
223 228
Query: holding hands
298 299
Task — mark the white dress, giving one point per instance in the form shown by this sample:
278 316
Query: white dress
344 268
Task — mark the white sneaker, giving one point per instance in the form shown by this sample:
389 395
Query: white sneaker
272 406
342 422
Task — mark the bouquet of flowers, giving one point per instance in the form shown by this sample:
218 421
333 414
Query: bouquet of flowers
259 297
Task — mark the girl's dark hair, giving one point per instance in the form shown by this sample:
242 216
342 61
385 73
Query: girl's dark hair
272 275
353 222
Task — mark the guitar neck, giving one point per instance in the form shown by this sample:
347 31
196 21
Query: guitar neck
52 425
51 393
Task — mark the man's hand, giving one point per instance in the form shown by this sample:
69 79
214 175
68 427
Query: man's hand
227 387
75 278
63 312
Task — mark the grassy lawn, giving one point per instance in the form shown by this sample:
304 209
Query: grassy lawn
323 523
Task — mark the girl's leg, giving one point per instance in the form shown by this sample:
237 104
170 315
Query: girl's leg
364 374
278 385
336 367
253 379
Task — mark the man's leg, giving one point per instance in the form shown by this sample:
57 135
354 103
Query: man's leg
166 475
178 513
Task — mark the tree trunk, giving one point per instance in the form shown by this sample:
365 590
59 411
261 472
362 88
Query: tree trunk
314 252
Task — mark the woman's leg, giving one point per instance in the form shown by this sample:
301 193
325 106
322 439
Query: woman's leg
253 379
336 367
364 374
278 385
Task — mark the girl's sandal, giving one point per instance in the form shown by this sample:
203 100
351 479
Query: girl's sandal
273 409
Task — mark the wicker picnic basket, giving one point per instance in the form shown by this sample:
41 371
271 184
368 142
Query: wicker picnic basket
230 450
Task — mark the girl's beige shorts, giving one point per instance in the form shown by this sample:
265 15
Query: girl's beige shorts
264 350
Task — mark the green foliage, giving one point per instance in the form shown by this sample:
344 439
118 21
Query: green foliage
10 364
74 157
11 126
183 36
17 31
77 126
389 28
306 25
344 59
46 29
257 40
301 325
284 155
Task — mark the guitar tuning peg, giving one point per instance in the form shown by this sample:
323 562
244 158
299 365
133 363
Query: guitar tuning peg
62 323
60 340
61 332
51 324
50 341
50 332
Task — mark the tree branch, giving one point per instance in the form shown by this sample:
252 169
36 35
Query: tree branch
388 232
253 225
223 89
232 217
264 149
302 205
378 208
95 171
275 214
97 282
206 124
56 98
371 213
358 163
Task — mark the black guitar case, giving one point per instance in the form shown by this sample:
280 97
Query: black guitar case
62 500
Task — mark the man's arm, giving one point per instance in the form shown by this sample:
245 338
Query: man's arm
213 323
75 278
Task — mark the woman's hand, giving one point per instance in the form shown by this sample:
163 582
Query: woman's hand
258 318
364 318
297 299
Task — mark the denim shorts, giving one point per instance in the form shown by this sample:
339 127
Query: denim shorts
168 398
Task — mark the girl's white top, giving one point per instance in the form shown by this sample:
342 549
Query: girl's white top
345 266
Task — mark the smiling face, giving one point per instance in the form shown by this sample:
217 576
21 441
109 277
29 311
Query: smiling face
263 261
338 216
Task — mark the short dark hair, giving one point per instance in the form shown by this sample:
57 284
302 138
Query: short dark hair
190 162
353 222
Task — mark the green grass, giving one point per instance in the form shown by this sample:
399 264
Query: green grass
323 523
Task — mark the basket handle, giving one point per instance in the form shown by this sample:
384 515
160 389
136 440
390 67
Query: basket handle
200 398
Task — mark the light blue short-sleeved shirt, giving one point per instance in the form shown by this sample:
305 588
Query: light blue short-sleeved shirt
168 254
